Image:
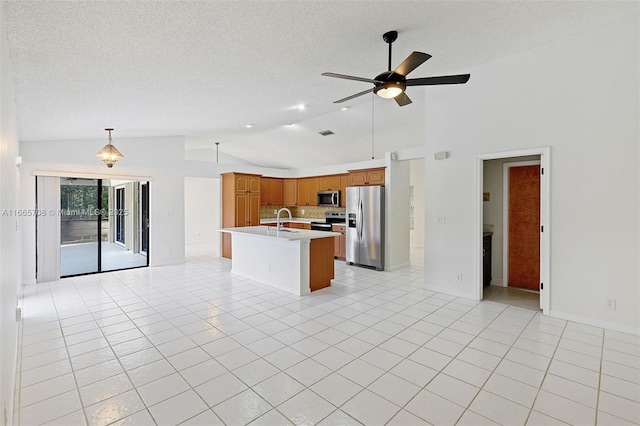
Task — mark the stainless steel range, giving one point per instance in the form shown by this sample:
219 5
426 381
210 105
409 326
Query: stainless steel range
330 218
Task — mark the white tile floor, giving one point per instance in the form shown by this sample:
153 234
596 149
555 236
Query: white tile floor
193 344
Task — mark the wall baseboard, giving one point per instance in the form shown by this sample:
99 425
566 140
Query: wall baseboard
608 325
396 267
447 291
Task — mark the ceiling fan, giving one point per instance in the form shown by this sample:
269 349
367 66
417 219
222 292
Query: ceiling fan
392 84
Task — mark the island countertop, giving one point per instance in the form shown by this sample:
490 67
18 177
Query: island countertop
285 233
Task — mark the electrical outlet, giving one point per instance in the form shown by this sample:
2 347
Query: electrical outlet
610 303
442 219
459 277
275 211
302 211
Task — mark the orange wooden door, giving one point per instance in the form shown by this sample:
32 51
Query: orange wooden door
524 227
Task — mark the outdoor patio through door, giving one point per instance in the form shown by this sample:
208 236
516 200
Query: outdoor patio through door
103 225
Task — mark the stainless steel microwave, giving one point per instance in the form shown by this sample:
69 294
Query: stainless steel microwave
329 198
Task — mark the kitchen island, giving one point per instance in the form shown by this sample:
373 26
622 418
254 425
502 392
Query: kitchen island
294 260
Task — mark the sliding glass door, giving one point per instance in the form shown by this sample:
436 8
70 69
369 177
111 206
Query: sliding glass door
104 225
79 226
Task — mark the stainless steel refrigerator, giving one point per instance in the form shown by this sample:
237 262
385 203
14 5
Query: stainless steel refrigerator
365 226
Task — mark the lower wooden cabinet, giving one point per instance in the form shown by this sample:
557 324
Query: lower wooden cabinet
299 225
340 243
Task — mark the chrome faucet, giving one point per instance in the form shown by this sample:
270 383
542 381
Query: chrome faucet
278 226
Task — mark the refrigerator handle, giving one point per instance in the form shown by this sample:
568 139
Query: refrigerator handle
360 225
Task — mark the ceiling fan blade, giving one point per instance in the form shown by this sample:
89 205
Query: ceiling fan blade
348 98
402 99
350 77
444 79
412 62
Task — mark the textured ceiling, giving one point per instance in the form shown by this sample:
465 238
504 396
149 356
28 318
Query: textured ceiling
205 69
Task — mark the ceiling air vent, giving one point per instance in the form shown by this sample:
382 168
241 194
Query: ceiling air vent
326 132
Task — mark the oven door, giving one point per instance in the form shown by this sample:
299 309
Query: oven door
320 226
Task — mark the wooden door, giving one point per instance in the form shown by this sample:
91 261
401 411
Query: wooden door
344 182
375 177
275 192
358 178
303 189
253 209
242 210
312 194
290 192
265 191
524 227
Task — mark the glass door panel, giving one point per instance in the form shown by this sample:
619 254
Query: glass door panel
79 206
124 248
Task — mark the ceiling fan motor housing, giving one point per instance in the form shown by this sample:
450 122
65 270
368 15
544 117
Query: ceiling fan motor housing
389 84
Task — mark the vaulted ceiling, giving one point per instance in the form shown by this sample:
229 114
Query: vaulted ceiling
206 69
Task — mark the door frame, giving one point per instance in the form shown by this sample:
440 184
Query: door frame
545 219
505 214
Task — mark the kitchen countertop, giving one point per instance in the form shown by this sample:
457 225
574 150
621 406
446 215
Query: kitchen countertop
286 234
295 219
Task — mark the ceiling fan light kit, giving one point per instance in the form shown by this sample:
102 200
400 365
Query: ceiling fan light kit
392 84
390 89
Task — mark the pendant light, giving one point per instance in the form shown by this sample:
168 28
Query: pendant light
109 153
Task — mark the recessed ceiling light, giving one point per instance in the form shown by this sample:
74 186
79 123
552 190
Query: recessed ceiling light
248 126
344 108
301 107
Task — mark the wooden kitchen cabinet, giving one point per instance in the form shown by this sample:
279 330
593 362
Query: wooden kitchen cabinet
308 191
340 243
329 183
240 204
366 177
299 225
271 192
344 182
290 192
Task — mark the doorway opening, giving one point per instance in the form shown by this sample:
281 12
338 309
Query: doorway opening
513 228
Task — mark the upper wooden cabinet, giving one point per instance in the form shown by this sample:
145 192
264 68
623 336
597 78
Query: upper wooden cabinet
245 182
290 192
366 177
329 183
240 204
271 192
344 182
308 191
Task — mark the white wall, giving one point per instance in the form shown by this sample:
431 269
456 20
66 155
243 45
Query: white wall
159 159
9 239
585 107
397 253
202 211
416 179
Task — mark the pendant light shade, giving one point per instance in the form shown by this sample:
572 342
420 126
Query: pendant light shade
109 153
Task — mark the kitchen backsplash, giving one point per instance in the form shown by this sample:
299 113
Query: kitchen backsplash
311 212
